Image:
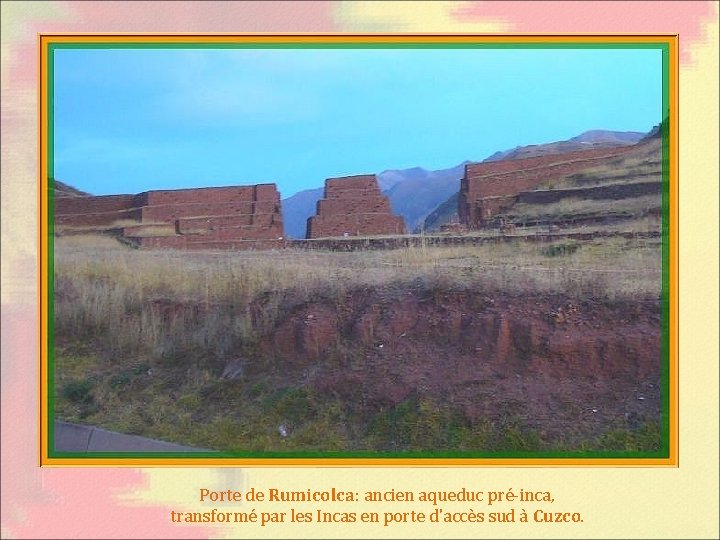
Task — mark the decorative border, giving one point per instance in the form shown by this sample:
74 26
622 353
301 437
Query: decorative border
668 44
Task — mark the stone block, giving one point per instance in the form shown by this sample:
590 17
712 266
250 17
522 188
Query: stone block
363 182
340 205
266 192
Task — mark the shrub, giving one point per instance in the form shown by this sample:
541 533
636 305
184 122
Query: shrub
559 250
78 391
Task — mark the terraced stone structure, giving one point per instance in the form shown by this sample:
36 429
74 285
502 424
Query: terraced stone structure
488 188
353 206
239 217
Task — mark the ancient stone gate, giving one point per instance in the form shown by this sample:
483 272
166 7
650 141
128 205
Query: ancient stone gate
353 206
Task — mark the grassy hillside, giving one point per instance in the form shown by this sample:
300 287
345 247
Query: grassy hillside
640 166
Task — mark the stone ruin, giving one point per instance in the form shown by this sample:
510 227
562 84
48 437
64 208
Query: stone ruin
250 217
353 206
489 188
239 217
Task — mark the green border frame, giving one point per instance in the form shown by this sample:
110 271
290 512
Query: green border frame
666 118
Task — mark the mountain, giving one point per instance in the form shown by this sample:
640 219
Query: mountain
421 196
595 138
656 131
422 191
601 137
446 212
390 178
297 209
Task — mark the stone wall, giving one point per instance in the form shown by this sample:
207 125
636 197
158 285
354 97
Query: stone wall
397 242
489 187
93 211
353 206
239 217
93 205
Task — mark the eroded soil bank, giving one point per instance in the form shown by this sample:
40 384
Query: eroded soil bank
391 369
559 370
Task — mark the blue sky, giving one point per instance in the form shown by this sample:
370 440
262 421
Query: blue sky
130 120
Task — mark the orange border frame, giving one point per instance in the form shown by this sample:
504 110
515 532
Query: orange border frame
671 461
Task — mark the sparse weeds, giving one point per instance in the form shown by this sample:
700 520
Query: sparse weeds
647 437
560 249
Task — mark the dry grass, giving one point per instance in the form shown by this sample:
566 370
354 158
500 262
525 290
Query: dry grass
573 207
628 173
161 228
147 232
643 165
240 276
132 300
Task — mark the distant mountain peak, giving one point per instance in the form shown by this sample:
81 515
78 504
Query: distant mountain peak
603 135
594 137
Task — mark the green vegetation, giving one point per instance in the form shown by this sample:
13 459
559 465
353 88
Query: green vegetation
78 392
560 249
645 438
195 407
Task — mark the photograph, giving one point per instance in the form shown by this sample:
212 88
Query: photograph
359 249
359 269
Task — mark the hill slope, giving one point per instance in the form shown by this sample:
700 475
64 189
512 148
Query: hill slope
595 138
297 209
415 198
65 190
446 210
619 189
